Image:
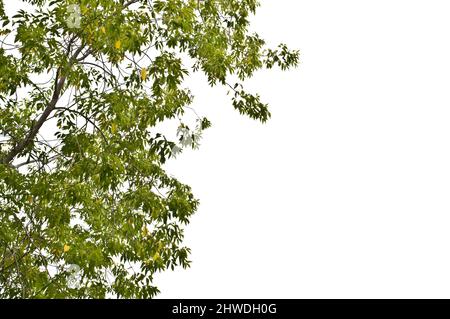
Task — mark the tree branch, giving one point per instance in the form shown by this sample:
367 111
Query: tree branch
59 84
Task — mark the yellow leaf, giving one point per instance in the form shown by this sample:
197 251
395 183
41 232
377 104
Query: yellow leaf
30 199
114 128
118 44
66 248
144 231
103 29
144 74
156 256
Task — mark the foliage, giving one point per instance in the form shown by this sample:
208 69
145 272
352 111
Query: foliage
89 212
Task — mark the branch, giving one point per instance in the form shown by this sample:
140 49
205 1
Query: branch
87 120
129 3
59 84
35 161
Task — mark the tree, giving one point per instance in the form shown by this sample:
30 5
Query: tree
86 208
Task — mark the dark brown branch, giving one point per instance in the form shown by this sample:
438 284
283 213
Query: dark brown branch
59 84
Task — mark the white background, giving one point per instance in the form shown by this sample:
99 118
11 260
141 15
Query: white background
345 192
